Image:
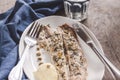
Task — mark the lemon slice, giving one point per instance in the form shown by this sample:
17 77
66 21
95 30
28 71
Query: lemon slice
46 71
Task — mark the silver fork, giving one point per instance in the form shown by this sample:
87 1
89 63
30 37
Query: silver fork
30 40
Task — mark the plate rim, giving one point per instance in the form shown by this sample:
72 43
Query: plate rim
86 28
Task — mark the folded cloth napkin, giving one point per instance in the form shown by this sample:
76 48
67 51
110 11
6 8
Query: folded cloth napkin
13 23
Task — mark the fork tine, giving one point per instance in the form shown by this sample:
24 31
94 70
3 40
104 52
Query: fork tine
31 28
34 31
39 30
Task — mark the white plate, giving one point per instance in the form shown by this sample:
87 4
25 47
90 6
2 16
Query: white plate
95 67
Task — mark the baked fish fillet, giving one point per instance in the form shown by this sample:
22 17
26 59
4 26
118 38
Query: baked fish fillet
42 40
55 43
76 60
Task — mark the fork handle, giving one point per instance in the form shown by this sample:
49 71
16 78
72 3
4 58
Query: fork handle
112 69
25 53
17 71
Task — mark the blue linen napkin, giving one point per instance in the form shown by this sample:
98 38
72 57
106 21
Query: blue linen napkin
13 23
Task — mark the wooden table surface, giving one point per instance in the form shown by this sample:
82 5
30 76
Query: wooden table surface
104 21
